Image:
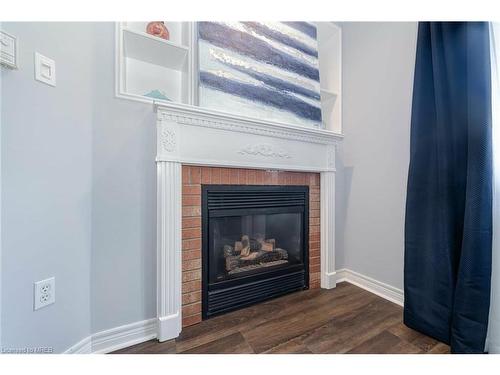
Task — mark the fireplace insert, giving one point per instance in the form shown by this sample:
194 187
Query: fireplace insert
255 244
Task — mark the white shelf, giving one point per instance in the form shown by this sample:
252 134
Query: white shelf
144 47
330 66
328 95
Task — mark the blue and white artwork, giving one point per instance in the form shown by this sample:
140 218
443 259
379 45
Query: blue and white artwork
265 70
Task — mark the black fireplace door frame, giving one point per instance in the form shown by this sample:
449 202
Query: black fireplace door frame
272 207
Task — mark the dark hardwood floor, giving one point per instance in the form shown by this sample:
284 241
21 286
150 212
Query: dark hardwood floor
346 319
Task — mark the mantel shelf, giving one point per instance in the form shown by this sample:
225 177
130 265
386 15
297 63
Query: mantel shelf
208 118
142 46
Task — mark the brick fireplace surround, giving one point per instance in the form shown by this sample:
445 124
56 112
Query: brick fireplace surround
192 179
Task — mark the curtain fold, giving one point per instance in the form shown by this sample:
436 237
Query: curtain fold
493 339
448 210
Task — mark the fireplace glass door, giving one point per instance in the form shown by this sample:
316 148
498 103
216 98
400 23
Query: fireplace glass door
243 245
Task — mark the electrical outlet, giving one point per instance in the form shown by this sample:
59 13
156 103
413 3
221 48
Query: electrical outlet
45 293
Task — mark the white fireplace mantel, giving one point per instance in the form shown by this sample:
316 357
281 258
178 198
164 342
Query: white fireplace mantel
196 136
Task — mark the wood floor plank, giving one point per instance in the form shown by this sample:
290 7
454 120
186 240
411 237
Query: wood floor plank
440 348
150 347
232 344
235 321
354 327
283 328
224 325
346 319
404 347
425 343
404 332
294 346
379 344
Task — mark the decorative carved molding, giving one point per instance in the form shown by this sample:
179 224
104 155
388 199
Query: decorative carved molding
168 139
196 116
266 150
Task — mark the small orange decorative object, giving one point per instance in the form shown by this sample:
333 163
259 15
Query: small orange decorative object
158 28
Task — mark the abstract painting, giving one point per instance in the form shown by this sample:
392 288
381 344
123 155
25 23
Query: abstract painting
264 70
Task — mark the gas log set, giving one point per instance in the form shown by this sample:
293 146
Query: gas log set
253 253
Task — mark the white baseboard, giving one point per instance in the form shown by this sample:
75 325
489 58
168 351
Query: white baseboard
379 288
116 338
82 347
124 336
135 333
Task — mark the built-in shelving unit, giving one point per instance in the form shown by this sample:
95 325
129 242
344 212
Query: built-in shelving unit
148 67
330 73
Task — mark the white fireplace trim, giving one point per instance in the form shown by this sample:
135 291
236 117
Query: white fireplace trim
192 135
327 227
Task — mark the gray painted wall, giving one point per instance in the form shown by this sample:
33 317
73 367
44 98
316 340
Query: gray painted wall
123 200
79 177
46 186
378 66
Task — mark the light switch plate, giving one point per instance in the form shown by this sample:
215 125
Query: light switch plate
45 69
8 50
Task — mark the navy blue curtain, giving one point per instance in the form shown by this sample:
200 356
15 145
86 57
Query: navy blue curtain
448 209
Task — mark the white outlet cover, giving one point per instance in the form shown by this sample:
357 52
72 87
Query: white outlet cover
44 293
45 69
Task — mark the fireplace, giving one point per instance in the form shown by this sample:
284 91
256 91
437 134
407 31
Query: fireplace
254 244
256 153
